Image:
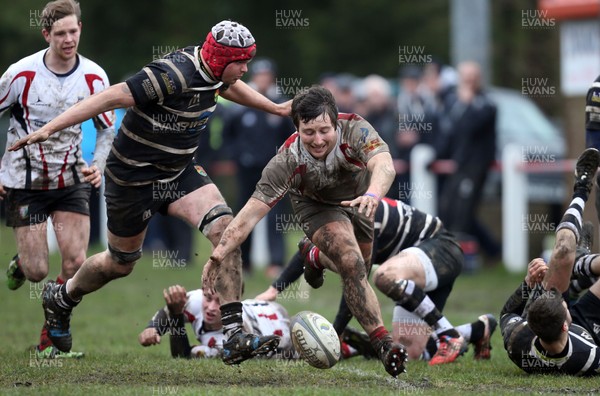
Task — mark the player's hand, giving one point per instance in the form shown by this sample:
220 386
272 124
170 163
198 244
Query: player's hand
366 203
149 337
284 109
2 192
536 270
92 175
176 297
268 295
209 275
36 137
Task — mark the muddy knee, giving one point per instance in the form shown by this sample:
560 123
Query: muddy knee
215 221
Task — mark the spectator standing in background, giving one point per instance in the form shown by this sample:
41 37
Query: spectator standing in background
254 137
411 111
344 95
377 105
471 121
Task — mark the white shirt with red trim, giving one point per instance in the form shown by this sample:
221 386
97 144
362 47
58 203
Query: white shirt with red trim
260 318
35 96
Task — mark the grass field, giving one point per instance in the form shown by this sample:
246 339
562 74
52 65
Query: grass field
105 326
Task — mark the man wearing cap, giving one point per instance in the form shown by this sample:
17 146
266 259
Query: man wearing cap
151 168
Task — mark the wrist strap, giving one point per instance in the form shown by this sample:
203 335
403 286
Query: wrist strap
370 194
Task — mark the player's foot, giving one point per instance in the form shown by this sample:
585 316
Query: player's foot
52 352
585 168
314 277
243 346
449 350
57 318
393 356
14 276
359 340
483 347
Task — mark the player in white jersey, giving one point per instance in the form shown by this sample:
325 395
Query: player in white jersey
51 179
201 309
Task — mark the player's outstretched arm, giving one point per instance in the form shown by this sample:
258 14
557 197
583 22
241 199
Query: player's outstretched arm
240 227
243 94
115 96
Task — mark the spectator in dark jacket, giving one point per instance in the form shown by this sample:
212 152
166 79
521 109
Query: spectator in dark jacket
253 138
470 117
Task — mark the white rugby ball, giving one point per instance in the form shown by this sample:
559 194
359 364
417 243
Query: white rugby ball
315 339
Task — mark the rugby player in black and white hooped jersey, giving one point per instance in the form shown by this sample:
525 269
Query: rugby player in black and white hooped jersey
200 308
422 259
541 333
51 179
335 168
170 101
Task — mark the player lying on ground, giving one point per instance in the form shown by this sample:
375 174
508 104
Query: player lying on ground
419 254
201 310
541 335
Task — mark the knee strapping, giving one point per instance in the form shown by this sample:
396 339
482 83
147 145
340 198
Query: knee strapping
212 215
407 293
124 258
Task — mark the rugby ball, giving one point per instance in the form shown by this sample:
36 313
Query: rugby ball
315 339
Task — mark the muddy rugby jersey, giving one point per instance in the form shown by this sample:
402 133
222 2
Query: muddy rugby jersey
342 176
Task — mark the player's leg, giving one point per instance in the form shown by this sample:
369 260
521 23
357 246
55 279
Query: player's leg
336 239
72 232
32 248
95 272
27 213
31 262
129 209
315 263
408 327
404 278
205 208
569 229
593 140
479 334
72 235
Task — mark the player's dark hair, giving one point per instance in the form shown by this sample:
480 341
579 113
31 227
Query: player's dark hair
547 315
59 9
313 103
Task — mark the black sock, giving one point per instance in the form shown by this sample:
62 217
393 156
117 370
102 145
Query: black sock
477 330
231 316
572 217
63 300
18 272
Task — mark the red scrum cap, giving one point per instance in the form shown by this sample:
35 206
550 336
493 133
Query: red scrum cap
227 42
